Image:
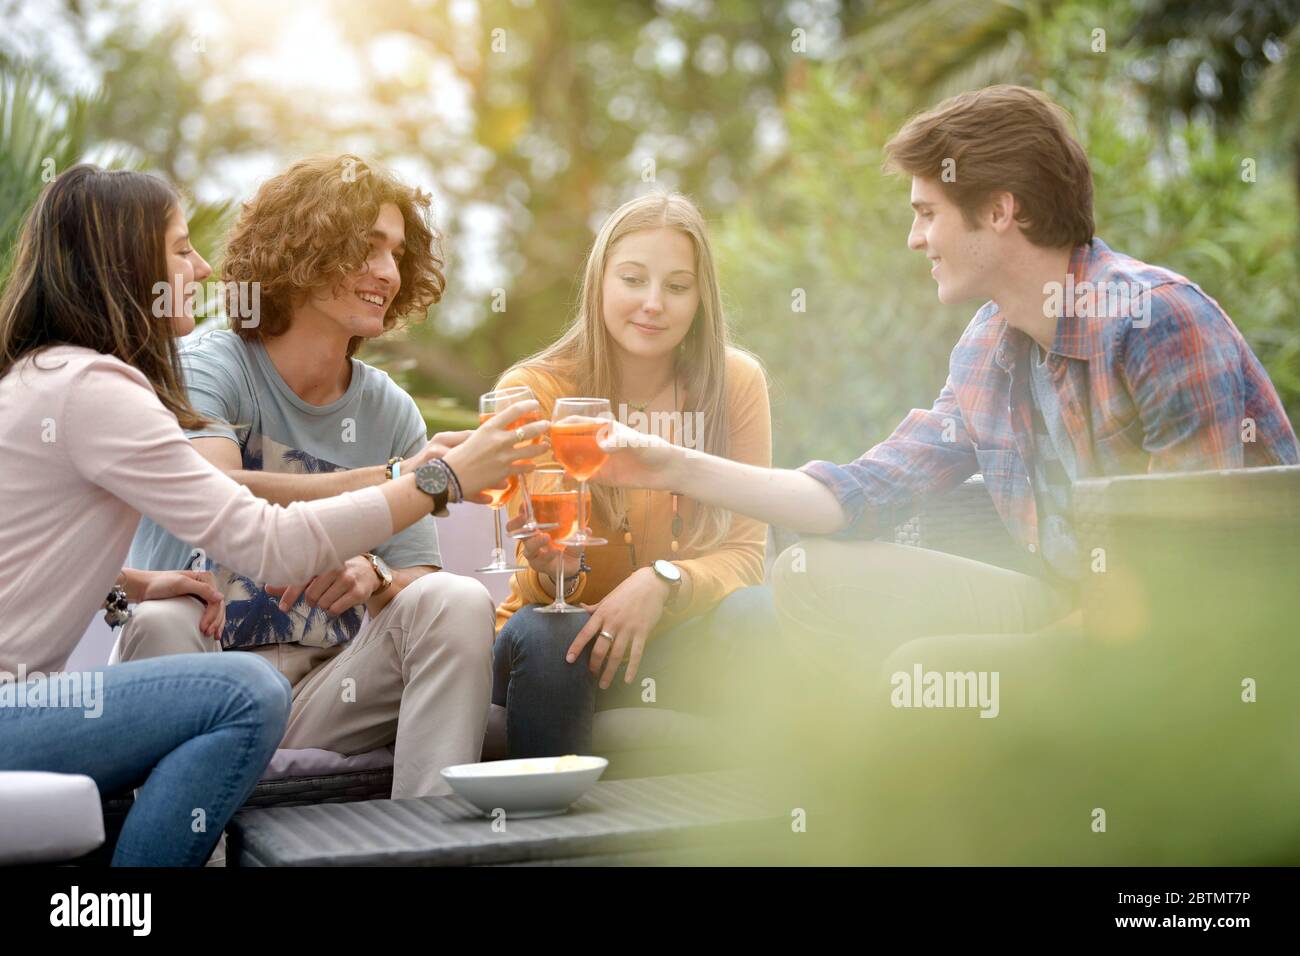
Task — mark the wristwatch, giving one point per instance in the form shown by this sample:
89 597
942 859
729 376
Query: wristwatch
434 479
667 571
382 570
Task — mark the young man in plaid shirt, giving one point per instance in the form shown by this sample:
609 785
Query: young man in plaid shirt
1083 362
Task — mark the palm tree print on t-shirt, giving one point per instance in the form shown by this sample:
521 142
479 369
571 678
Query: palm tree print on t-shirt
253 616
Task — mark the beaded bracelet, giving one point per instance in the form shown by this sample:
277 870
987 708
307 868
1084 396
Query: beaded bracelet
116 611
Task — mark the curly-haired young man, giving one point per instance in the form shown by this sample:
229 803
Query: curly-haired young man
340 250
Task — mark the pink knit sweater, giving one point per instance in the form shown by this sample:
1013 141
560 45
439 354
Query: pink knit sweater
86 448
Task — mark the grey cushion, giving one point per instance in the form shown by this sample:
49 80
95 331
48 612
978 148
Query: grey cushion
313 762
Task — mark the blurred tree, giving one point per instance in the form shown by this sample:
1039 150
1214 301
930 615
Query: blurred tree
1184 58
1275 110
42 133
581 106
1208 55
532 119
571 109
829 231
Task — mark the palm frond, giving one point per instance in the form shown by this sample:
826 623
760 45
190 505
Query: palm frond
1002 60
924 44
41 133
208 223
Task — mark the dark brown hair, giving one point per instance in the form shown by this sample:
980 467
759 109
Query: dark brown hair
1003 139
309 227
87 261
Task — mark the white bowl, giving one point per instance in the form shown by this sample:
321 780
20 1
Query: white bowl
528 787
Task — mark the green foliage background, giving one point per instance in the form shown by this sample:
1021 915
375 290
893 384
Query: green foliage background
874 340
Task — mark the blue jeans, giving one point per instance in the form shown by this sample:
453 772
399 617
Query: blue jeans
194 732
550 703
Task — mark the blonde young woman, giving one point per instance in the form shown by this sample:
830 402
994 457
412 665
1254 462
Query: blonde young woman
650 336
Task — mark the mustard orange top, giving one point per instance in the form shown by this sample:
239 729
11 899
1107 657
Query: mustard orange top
735 563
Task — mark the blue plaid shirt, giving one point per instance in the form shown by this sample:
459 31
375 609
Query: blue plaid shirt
1170 386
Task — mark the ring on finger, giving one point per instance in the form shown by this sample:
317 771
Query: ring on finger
607 636
520 437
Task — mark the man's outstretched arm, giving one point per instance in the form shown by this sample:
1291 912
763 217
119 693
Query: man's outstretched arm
928 452
777 496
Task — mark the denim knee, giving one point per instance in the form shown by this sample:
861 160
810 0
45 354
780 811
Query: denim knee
267 690
524 646
549 702
537 642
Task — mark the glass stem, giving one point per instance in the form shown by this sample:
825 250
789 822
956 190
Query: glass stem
582 516
499 553
559 579
529 520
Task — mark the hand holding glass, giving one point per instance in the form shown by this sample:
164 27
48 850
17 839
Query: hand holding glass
556 504
488 405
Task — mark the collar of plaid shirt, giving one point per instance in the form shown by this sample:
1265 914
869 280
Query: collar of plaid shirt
1077 342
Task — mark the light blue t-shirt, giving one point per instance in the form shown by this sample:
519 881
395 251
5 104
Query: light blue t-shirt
235 384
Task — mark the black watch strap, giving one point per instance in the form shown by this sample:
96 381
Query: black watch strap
439 509
439 496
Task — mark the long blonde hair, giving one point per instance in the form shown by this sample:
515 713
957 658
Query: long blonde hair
583 356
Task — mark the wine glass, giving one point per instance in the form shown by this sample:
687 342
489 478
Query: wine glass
556 504
577 427
500 497
488 405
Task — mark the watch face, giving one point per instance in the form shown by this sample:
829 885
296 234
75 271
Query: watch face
668 570
431 479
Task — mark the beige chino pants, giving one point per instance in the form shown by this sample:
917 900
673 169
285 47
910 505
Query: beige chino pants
418 675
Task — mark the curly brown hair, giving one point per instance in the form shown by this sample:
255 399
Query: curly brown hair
308 227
